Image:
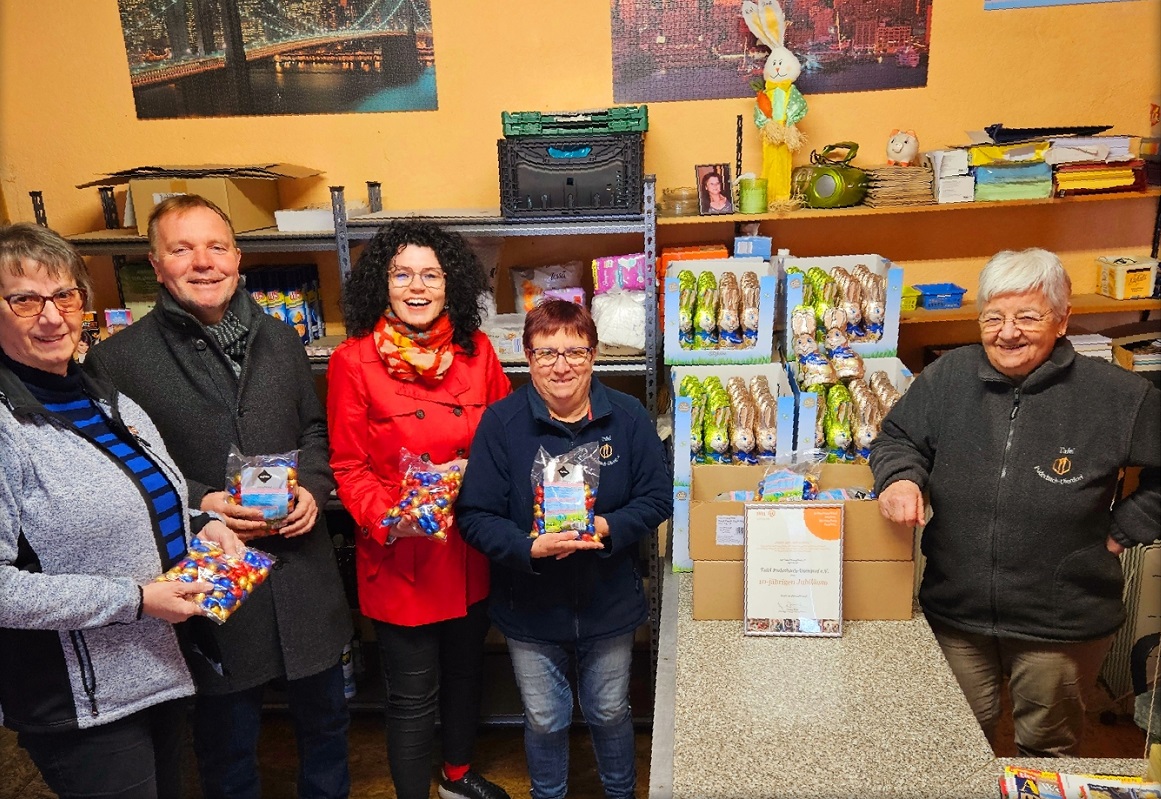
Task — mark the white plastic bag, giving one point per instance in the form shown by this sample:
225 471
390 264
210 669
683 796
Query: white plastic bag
620 318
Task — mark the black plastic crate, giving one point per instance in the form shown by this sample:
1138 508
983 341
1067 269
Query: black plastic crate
618 119
571 176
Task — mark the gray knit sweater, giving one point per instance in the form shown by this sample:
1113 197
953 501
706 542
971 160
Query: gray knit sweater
76 541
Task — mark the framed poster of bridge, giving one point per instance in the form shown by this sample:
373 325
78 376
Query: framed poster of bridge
191 58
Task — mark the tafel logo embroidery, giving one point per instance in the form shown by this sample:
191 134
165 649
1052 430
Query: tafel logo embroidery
1061 466
606 451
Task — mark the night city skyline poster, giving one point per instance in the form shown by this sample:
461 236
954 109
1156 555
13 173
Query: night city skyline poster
212 58
701 49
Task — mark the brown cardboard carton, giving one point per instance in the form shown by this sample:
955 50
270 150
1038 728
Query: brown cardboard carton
248 194
872 590
715 526
878 589
717 590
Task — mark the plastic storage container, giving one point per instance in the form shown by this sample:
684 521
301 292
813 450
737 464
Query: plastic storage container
939 296
572 176
910 299
620 119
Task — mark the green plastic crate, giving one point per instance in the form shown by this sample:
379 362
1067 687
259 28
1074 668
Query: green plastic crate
619 119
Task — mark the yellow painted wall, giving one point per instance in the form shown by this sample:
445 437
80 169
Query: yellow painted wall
66 109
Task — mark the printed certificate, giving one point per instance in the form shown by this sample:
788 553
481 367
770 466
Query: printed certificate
793 569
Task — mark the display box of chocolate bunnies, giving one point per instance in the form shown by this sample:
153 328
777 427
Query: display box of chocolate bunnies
785 398
749 338
880 324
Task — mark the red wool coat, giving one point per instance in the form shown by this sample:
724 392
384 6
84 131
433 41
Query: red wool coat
371 417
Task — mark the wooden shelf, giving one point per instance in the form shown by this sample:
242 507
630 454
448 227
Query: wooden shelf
1081 304
863 210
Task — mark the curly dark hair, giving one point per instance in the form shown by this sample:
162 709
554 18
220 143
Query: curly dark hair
365 293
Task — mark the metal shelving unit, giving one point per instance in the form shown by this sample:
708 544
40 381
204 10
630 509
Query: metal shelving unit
120 242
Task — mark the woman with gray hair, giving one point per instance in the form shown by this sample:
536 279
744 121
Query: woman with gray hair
1018 444
91 510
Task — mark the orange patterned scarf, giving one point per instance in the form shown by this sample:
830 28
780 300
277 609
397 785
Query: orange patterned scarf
412 355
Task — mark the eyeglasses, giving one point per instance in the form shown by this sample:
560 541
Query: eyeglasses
573 356
29 305
403 278
1024 320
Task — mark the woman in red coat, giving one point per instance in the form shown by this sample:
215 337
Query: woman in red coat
416 374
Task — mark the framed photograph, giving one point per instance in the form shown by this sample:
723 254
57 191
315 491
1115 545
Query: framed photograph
714 190
793 569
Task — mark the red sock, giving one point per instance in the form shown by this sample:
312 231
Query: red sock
454 773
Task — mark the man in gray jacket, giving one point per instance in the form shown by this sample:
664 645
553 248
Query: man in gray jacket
214 372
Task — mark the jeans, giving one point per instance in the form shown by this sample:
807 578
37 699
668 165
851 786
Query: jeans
1047 682
137 757
424 665
602 669
226 731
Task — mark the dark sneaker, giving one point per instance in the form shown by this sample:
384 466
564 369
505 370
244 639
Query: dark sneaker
470 786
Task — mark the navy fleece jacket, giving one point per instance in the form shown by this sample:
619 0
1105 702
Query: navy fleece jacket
588 595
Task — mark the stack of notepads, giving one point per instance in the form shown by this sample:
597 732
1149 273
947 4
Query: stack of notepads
899 185
1011 171
1094 345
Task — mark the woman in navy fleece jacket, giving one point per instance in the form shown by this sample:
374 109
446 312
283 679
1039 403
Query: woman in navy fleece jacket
556 596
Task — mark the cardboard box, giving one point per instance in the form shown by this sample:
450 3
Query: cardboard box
872 590
761 352
716 526
888 343
955 189
1131 345
248 194
806 405
1126 277
947 163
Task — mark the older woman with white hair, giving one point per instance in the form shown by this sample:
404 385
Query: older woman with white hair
1018 445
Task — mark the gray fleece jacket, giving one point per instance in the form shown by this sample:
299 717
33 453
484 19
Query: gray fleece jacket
1022 482
76 542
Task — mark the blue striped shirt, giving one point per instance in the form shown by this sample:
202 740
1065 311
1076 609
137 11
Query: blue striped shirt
64 396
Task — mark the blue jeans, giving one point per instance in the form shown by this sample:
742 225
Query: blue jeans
602 669
226 731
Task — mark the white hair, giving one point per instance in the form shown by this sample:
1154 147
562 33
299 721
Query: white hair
1034 269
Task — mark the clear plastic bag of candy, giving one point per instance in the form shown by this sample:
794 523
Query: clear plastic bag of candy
266 482
793 479
428 494
234 577
564 490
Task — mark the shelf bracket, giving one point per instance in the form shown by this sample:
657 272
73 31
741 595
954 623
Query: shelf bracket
38 208
342 242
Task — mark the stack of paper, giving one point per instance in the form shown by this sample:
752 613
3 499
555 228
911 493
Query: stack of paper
1094 345
1146 355
898 185
1071 149
953 182
1014 181
984 154
1099 177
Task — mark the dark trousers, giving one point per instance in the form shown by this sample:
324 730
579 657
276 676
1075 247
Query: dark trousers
137 757
226 731
441 662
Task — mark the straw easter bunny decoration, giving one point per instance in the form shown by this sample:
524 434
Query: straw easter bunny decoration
780 105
